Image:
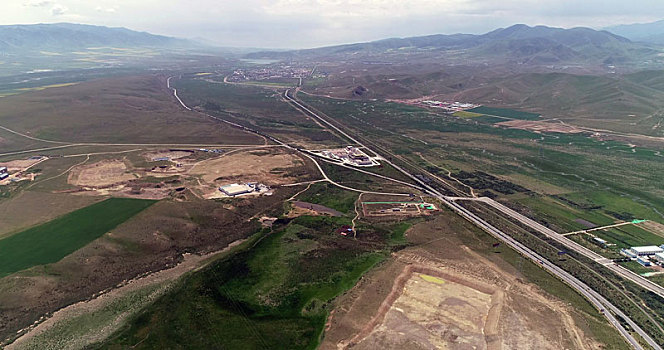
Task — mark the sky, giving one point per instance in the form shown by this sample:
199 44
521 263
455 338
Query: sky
312 23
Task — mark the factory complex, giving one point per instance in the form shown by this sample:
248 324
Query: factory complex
645 255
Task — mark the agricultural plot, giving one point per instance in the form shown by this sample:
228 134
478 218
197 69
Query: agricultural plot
52 241
504 112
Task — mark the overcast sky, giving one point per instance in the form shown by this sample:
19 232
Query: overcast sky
309 23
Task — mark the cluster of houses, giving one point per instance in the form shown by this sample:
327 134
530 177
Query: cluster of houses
645 255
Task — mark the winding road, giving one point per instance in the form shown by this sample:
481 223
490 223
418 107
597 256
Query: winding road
592 296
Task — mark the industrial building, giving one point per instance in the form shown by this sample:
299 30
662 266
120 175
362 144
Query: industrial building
236 189
659 257
646 250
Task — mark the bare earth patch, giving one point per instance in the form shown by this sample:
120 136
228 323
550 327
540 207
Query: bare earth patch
439 294
100 174
435 313
247 167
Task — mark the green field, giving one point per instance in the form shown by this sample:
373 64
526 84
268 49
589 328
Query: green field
331 197
504 112
275 293
466 114
52 241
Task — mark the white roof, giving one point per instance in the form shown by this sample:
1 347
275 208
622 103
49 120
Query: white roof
648 248
236 188
659 255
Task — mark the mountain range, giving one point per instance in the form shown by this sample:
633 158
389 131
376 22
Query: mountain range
65 37
644 32
522 44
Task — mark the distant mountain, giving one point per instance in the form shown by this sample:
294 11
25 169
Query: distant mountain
519 43
645 32
64 37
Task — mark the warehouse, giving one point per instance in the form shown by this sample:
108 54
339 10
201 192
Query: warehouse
646 250
236 189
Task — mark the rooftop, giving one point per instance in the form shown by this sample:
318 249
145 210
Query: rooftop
647 248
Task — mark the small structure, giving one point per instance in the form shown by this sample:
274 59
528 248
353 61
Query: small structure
599 241
4 176
3 169
646 250
643 260
659 257
236 189
628 253
345 230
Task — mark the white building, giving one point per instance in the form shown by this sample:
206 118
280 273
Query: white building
646 250
236 189
3 169
659 257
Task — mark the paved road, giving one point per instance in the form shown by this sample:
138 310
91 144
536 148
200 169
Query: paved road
608 263
598 228
595 298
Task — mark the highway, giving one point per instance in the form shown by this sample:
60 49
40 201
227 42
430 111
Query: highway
595 298
572 245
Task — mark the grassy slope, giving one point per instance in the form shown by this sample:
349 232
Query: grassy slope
52 241
274 294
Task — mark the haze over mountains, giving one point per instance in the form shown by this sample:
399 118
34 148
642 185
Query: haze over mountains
645 32
521 44
64 37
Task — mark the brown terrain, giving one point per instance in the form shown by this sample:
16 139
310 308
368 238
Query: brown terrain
153 240
100 174
447 296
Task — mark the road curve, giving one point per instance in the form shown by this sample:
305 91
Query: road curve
595 298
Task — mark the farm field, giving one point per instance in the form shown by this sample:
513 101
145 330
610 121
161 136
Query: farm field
52 241
30 208
504 112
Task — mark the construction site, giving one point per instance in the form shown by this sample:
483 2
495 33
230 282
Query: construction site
348 155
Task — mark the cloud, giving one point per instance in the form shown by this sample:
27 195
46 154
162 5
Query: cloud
58 10
308 23
38 3
107 10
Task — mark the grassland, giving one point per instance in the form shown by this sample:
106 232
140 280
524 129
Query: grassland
260 107
330 196
52 241
114 110
626 186
273 294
